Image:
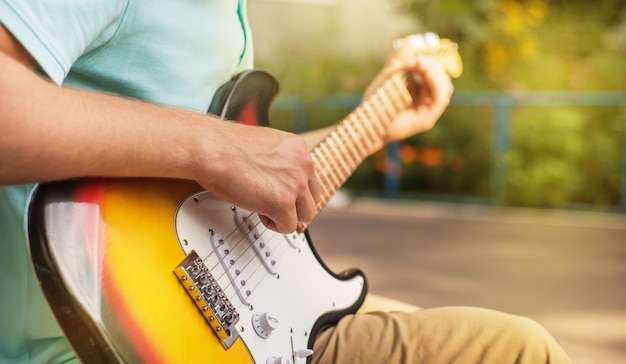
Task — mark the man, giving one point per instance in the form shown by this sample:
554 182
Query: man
137 77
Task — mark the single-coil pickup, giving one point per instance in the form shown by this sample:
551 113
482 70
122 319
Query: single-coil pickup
235 272
208 297
294 239
249 225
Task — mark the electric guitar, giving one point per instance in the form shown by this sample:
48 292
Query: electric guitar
161 271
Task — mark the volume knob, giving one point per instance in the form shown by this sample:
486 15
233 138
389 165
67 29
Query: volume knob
264 323
279 360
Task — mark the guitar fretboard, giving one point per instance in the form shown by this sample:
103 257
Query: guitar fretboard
338 155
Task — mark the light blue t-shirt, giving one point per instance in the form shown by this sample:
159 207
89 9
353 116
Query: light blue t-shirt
170 52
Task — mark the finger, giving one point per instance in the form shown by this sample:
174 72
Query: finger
306 208
285 224
434 74
437 85
267 222
315 187
306 203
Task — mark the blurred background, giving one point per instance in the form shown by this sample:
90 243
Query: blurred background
516 200
538 116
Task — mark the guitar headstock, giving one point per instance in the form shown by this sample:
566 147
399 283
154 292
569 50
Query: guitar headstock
431 45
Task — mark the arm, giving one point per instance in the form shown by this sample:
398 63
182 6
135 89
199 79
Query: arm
52 133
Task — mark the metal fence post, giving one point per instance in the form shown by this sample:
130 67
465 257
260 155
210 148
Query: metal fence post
623 187
393 171
501 145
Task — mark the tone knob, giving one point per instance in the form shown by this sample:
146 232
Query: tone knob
264 323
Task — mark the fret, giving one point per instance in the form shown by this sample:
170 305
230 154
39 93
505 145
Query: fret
355 157
381 98
336 178
401 84
374 121
370 130
326 189
398 104
384 114
390 89
398 87
323 175
367 141
331 142
331 171
346 146
352 163
324 199
388 107
401 97
355 135
359 120
322 202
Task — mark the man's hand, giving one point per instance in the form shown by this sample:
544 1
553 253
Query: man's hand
267 171
433 96
432 99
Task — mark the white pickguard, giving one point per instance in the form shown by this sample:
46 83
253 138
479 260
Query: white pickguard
264 271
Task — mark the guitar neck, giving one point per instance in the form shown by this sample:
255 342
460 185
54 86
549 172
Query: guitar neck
338 155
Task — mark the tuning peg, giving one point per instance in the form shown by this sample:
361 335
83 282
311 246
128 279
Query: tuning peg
418 41
431 39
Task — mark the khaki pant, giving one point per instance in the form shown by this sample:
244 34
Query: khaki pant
402 333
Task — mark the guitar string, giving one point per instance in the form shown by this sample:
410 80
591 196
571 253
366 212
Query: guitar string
356 156
221 262
247 270
336 182
370 135
252 270
346 169
329 147
278 258
325 178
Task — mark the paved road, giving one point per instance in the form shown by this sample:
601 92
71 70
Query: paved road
565 269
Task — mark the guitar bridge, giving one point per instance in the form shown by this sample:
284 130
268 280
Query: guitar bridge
210 299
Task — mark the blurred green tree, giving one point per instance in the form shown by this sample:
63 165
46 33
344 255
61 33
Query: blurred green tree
559 155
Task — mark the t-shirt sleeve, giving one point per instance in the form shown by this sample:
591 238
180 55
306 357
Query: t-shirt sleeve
58 32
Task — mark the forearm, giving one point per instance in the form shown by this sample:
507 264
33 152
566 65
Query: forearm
50 133
314 137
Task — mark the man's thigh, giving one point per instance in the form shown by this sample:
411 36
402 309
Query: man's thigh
440 335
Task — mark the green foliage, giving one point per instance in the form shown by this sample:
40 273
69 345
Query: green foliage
559 156
571 159
544 172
